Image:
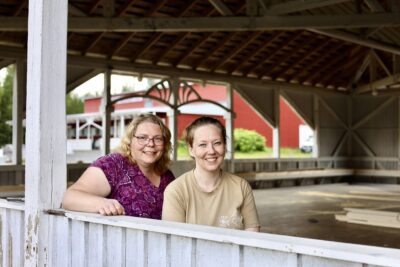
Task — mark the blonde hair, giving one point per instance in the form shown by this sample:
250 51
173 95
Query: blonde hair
124 146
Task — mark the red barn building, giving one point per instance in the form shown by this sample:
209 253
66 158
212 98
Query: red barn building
246 117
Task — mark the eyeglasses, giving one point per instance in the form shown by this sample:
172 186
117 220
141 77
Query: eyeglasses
144 140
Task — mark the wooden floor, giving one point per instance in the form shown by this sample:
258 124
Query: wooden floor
309 211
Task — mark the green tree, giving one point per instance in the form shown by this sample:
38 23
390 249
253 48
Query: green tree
74 104
6 90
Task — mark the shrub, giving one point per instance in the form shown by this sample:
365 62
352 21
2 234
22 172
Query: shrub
248 141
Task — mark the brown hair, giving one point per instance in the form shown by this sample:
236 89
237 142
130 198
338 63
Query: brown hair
125 145
189 131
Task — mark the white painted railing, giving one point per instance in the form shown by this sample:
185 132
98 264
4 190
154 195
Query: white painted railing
82 239
11 233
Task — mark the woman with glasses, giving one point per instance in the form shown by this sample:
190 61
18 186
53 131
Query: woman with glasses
130 181
207 195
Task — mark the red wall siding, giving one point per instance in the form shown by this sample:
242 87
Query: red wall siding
290 122
247 118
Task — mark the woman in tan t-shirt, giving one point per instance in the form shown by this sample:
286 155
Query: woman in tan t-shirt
207 195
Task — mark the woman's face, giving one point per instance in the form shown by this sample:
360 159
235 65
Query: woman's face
208 148
147 145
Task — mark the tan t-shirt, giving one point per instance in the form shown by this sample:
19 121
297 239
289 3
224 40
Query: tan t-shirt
230 204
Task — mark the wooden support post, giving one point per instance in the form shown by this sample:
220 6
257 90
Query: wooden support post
276 144
19 86
173 118
315 152
106 113
45 180
229 122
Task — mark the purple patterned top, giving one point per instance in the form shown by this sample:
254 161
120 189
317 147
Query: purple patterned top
131 188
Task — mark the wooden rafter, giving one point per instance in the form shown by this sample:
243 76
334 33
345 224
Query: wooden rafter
299 5
267 71
193 47
319 46
93 5
268 56
223 10
97 37
92 42
220 44
323 73
265 44
121 43
221 7
312 65
17 10
83 78
237 49
155 37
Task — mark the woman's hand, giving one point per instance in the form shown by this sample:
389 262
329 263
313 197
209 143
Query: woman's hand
111 207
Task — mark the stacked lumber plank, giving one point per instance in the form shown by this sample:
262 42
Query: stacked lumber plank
371 217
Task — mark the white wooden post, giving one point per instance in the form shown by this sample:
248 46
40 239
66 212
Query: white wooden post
17 111
106 113
276 143
77 132
173 118
315 151
229 119
45 125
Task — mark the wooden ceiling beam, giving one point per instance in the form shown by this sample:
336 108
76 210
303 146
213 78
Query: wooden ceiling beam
287 56
5 63
73 10
200 24
83 78
348 66
314 63
193 47
299 5
171 46
253 36
222 8
17 10
93 5
160 71
356 39
92 43
220 44
315 49
270 55
265 44
121 43
361 70
123 8
379 84
155 37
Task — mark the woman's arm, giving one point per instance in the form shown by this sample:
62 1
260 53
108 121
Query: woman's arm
89 193
253 229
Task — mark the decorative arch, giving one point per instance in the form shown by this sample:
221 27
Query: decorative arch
164 93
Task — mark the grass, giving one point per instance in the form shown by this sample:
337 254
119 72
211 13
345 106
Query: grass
183 153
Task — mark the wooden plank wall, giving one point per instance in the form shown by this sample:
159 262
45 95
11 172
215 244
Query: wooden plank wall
81 239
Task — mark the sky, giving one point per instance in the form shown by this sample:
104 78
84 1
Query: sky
118 82
3 73
95 85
